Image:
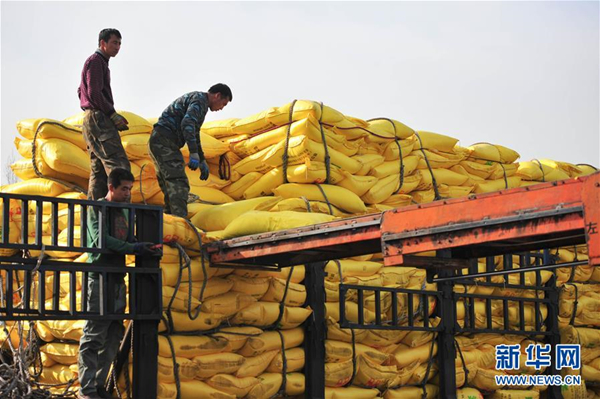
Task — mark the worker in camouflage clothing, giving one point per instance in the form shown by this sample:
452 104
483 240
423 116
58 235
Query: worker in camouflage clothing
179 125
101 123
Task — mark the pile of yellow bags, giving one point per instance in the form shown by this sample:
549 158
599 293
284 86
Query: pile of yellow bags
298 164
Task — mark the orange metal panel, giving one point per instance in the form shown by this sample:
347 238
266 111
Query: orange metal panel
460 238
487 206
591 211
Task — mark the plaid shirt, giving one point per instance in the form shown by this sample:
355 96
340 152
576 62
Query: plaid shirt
94 91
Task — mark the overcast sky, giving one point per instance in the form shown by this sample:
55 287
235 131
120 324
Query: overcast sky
524 75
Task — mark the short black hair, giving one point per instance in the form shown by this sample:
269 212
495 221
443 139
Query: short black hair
118 176
223 89
106 33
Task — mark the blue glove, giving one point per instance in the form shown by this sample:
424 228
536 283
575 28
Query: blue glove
204 171
194 161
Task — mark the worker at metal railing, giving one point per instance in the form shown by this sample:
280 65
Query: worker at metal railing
101 338
101 123
178 125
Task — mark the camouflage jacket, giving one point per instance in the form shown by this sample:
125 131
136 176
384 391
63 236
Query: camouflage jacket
184 117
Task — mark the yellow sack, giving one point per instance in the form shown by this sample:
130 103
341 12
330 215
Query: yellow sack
196 207
263 314
368 162
51 129
471 393
183 323
186 369
372 375
136 124
24 146
24 170
338 374
387 186
493 152
357 184
36 186
383 130
405 355
238 336
295 294
271 340
391 152
351 268
136 145
483 170
58 374
64 329
255 222
338 196
227 304
489 186
309 127
218 363
502 170
236 190
177 229
294 359
218 217
256 365
255 287
332 309
437 159
64 157
304 205
447 191
514 394
269 384
351 393
219 129
296 271
209 195
191 389
62 353
144 191
395 201
214 286
232 385
393 167
191 346
181 301
586 169
432 392
442 176
532 170
434 141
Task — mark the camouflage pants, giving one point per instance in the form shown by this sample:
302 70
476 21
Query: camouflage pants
101 338
170 171
105 149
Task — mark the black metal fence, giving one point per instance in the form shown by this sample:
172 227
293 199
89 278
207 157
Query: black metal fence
46 224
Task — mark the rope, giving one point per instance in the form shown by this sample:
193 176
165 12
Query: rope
284 157
141 188
399 151
224 167
283 386
175 367
433 180
327 158
504 173
282 303
462 359
353 359
325 197
541 168
72 186
307 202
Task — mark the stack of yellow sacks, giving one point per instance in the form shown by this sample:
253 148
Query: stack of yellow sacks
289 166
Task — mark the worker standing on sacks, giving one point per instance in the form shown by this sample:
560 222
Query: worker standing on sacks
178 125
101 123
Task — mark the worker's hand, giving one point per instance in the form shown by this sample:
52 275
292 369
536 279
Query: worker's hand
194 161
145 249
119 121
204 172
